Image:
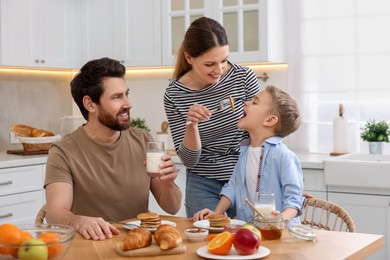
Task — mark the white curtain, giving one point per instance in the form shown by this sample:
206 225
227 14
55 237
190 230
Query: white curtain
338 52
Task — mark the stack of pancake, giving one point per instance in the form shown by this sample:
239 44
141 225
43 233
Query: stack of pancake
149 219
218 220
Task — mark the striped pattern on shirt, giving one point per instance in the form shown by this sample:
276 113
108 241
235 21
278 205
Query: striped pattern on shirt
219 135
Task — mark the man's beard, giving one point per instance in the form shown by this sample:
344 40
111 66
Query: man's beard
112 122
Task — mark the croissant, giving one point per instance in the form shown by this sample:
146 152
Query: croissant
22 130
29 131
167 237
136 238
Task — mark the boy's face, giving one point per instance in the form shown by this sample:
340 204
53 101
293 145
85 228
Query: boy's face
256 112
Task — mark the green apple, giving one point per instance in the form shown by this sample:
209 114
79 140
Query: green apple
33 249
253 228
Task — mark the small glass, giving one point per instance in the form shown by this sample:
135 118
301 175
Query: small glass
265 203
154 152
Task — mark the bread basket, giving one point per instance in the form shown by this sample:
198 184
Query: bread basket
31 144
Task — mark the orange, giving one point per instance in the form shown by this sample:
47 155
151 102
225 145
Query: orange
50 237
210 237
24 237
221 244
9 234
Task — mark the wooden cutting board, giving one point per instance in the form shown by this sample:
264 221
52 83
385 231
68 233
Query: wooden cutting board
23 152
151 250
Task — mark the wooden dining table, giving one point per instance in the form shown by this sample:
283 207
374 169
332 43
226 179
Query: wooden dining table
330 245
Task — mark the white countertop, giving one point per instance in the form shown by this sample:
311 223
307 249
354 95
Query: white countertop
14 160
307 160
312 160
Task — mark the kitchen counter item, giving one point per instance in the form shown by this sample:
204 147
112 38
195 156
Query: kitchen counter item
38 143
70 123
24 152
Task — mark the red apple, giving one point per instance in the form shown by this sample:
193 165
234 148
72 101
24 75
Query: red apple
246 242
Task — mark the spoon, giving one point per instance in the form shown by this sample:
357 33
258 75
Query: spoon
253 207
222 105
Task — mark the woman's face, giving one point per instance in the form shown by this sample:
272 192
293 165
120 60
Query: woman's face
209 67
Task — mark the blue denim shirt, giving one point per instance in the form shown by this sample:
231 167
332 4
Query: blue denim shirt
281 174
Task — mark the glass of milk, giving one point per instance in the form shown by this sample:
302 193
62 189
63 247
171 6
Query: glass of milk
265 203
154 152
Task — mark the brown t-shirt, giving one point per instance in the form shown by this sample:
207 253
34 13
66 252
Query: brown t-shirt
109 181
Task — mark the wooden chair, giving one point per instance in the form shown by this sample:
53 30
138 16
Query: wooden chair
326 215
40 219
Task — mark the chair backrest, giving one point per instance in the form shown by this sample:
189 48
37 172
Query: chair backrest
41 215
326 215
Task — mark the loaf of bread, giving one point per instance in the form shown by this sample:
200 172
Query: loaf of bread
167 236
136 238
29 131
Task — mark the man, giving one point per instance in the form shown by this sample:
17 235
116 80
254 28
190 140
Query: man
97 174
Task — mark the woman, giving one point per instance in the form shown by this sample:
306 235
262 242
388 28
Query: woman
207 143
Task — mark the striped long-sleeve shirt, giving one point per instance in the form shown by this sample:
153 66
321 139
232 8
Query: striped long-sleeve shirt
219 135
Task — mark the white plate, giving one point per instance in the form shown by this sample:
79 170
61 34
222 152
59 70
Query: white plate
206 224
233 254
138 223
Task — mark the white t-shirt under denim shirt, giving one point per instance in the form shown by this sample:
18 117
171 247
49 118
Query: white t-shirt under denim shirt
252 170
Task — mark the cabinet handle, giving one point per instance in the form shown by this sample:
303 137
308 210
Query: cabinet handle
42 61
6 215
6 182
36 61
122 61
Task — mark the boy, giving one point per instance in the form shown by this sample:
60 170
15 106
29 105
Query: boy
265 163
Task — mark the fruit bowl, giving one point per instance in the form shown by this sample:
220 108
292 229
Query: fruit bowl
35 241
270 228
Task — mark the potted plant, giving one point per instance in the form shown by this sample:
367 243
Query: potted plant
139 123
376 133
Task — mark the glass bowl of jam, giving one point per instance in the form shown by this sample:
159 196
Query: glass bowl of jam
270 228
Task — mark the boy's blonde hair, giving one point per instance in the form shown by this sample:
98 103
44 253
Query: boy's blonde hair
286 109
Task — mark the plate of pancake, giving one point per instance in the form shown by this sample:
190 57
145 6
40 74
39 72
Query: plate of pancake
216 222
149 220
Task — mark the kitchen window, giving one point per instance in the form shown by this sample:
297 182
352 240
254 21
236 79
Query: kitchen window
338 52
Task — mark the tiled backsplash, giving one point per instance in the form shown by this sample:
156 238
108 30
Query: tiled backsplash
40 99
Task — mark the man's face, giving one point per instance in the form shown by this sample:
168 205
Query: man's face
114 107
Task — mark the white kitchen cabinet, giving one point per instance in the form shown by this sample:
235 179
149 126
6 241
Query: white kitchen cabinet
21 193
38 33
314 182
181 183
255 28
129 31
370 212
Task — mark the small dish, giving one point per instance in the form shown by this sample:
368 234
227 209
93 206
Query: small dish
196 234
302 232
